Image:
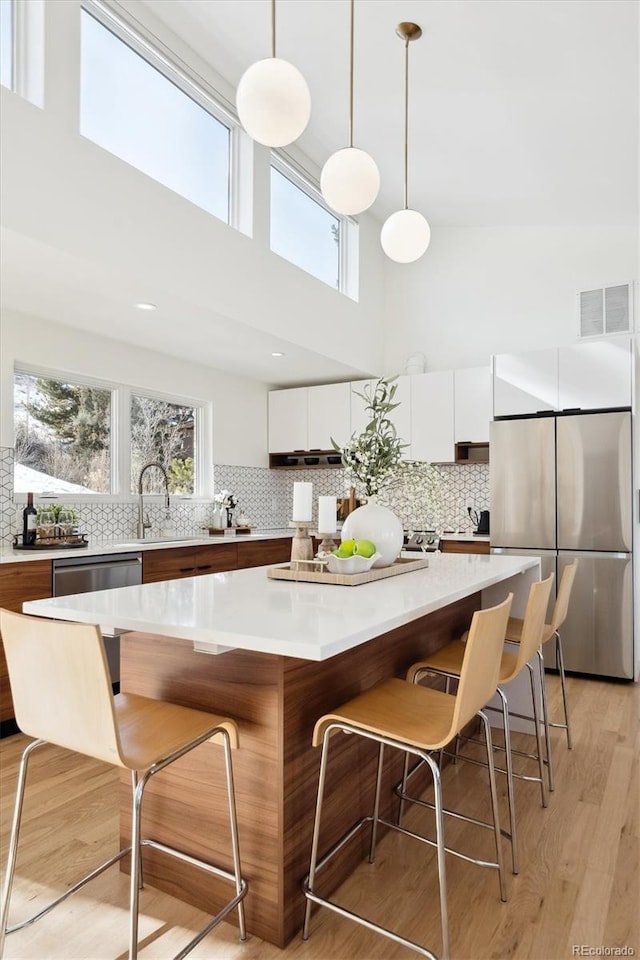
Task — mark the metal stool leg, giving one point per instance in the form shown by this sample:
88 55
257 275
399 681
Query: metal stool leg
316 833
376 806
13 841
545 720
494 805
563 683
510 792
440 848
233 824
536 721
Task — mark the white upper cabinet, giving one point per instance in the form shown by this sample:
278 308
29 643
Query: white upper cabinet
525 382
359 415
401 416
432 417
595 375
329 415
472 405
288 420
584 376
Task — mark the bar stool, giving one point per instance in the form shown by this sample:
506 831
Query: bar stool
62 695
448 662
551 631
416 720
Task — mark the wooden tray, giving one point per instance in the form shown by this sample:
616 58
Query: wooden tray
288 572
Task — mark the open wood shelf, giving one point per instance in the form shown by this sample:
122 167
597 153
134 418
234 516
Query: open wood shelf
305 460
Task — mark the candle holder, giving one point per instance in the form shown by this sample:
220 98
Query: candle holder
327 543
301 543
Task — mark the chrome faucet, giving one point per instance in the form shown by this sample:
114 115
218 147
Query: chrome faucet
143 522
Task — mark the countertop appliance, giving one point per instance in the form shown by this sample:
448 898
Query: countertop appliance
561 487
73 575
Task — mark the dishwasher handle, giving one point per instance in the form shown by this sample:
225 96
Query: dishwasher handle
83 567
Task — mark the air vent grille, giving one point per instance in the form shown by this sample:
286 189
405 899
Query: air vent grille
606 310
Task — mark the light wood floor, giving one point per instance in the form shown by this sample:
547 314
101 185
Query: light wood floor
579 882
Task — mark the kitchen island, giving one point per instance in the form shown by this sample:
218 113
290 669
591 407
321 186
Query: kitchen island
276 655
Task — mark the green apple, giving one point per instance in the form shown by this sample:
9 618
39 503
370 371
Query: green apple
346 549
364 548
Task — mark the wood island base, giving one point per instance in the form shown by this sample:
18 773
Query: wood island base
276 701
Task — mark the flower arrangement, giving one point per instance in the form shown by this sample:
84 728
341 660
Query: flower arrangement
373 464
370 458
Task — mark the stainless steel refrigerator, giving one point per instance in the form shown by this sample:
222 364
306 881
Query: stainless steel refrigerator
561 487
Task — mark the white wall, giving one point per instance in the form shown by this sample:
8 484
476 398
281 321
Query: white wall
239 405
63 191
482 291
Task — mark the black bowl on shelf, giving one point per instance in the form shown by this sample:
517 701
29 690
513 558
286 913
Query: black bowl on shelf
334 459
312 461
290 461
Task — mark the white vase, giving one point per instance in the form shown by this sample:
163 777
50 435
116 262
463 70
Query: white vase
218 518
378 524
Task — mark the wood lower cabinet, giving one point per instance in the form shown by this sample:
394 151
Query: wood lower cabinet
19 582
259 553
465 546
178 562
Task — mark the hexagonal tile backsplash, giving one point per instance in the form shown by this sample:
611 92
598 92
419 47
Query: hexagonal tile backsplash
264 495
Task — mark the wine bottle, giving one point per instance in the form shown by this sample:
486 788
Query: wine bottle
29 522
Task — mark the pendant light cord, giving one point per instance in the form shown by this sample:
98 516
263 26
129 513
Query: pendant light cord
406 123
273 29
351 79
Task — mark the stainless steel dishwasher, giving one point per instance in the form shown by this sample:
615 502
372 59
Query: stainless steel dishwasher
88 574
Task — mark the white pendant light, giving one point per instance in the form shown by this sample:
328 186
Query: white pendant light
273 99
350 179
405 235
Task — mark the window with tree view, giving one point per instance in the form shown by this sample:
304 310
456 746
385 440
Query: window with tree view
162 432
62 436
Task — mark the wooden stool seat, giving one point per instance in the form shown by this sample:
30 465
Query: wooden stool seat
514 630
449 660
62 695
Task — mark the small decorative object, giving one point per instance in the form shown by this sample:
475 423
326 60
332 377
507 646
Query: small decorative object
375 522
224 501
301 543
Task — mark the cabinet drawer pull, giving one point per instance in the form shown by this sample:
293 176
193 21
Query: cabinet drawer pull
207 566
186 569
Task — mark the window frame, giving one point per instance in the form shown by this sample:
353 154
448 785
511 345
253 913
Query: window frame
348 258
120 427
197 90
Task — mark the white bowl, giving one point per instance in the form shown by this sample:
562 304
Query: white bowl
354 564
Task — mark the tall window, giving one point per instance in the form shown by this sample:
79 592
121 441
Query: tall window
142 116
7 28
62 436
162 432
303 231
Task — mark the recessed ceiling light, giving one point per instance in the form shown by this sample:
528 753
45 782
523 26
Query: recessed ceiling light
146 306
276 353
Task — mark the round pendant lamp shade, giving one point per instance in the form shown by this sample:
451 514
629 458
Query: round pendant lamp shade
350 181
405 236
273 101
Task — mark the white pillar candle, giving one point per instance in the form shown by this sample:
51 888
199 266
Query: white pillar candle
327 510
302 501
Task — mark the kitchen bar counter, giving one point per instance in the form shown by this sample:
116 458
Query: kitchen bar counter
299 650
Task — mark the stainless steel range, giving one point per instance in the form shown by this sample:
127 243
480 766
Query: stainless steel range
424 541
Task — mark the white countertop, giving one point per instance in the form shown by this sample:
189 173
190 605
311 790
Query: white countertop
99 548
244 609
467 537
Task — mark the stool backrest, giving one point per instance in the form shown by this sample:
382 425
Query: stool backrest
564 594
533 622
481 664
60 684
